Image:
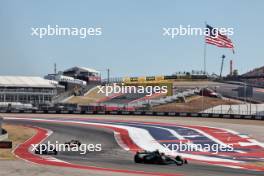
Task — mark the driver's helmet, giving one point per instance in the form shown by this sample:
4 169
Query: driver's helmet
157 152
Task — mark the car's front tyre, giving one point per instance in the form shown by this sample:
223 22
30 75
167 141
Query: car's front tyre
137 159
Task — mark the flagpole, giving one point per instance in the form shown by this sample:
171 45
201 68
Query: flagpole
204 57
204 64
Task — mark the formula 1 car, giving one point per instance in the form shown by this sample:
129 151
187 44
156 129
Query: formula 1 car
156 157
44 149
73 143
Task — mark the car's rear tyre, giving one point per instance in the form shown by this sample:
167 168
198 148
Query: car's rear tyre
179 161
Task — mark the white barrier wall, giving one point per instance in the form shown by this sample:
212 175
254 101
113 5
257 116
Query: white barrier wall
246 109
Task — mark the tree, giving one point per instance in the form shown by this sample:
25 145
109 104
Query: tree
235 72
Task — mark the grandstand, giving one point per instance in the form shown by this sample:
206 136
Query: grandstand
181 86
92 96
140 99
76 81
255 77
27 89
65 79
257 72
125 98
86 74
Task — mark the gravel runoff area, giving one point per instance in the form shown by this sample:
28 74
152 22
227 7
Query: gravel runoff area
19 167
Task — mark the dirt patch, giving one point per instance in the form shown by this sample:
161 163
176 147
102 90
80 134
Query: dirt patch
194 104
17 134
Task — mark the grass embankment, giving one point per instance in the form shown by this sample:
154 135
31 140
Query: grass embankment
17 134
193 104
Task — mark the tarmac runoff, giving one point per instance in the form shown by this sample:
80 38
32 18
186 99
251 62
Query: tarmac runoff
121 158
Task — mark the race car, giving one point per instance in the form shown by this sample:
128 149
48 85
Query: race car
73 143
44 149
156 157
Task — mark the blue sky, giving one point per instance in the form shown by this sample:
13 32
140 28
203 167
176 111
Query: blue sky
132 43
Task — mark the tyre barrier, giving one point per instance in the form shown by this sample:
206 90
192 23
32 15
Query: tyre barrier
6 144
142 113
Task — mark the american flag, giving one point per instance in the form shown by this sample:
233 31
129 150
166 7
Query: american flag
218 39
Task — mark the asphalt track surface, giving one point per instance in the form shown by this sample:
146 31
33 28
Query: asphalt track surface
113 156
